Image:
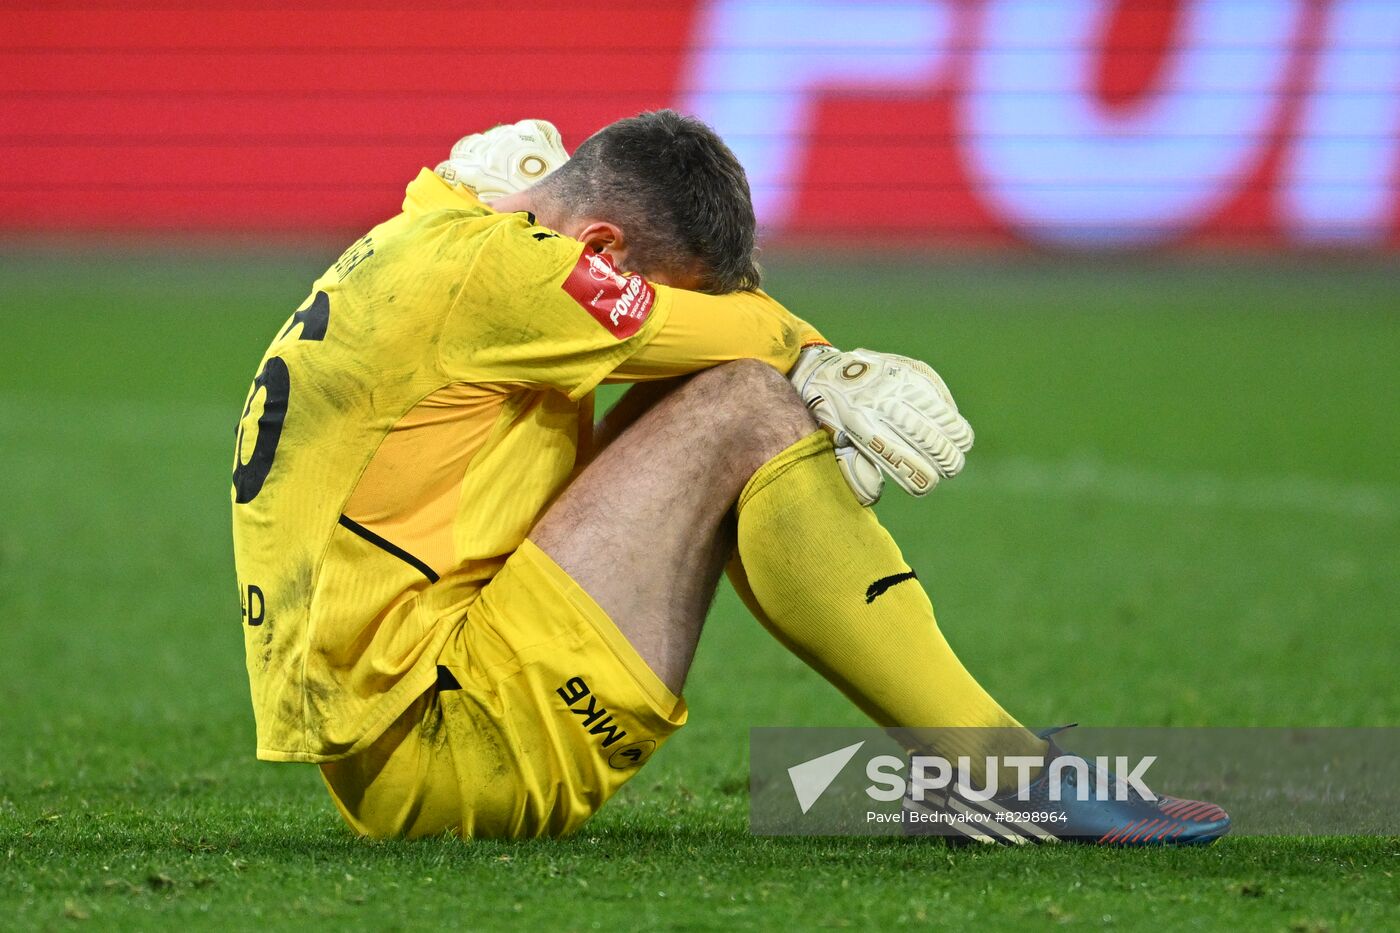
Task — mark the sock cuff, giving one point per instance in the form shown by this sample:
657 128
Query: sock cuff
816 444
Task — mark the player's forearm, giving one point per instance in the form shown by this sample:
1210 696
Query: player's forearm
709 330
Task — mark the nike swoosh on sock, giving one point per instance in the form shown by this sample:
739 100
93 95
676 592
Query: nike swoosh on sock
879 587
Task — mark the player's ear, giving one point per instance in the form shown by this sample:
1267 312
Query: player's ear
604 237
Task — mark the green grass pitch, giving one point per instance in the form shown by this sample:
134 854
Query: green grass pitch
1183 508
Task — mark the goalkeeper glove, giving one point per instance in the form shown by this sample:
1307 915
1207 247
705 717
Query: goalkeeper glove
504 159
886 413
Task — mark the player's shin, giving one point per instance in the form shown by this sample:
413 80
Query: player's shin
821 573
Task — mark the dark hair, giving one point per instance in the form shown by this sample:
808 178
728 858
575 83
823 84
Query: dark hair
675 189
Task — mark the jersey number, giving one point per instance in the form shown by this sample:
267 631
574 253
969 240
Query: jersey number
275 382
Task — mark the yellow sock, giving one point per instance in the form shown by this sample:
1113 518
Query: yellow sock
822 574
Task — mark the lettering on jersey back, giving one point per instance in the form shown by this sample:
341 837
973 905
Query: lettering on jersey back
621 303
352 257
252 604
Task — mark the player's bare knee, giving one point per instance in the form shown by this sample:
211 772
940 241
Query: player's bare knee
761 402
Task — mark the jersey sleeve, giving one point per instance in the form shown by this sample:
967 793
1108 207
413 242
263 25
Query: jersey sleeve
703 330
539 309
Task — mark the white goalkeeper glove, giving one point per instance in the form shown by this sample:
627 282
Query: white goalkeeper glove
886 413
504 159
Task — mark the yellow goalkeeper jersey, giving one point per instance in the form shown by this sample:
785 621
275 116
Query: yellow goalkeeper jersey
407 427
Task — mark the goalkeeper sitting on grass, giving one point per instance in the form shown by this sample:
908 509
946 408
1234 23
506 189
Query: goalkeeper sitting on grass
475 610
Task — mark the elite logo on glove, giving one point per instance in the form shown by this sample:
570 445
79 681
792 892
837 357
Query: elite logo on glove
886 413
504 159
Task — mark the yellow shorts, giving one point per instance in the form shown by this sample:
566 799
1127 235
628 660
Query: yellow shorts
541 712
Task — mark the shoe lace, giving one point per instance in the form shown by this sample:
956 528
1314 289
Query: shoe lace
1071 775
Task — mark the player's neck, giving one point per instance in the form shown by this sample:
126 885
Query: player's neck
514 203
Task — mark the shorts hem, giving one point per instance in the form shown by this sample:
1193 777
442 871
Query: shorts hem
389 708
666 704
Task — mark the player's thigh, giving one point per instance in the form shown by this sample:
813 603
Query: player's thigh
641 529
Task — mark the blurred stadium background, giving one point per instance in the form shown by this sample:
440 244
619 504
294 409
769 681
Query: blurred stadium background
1068 123
1151 243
